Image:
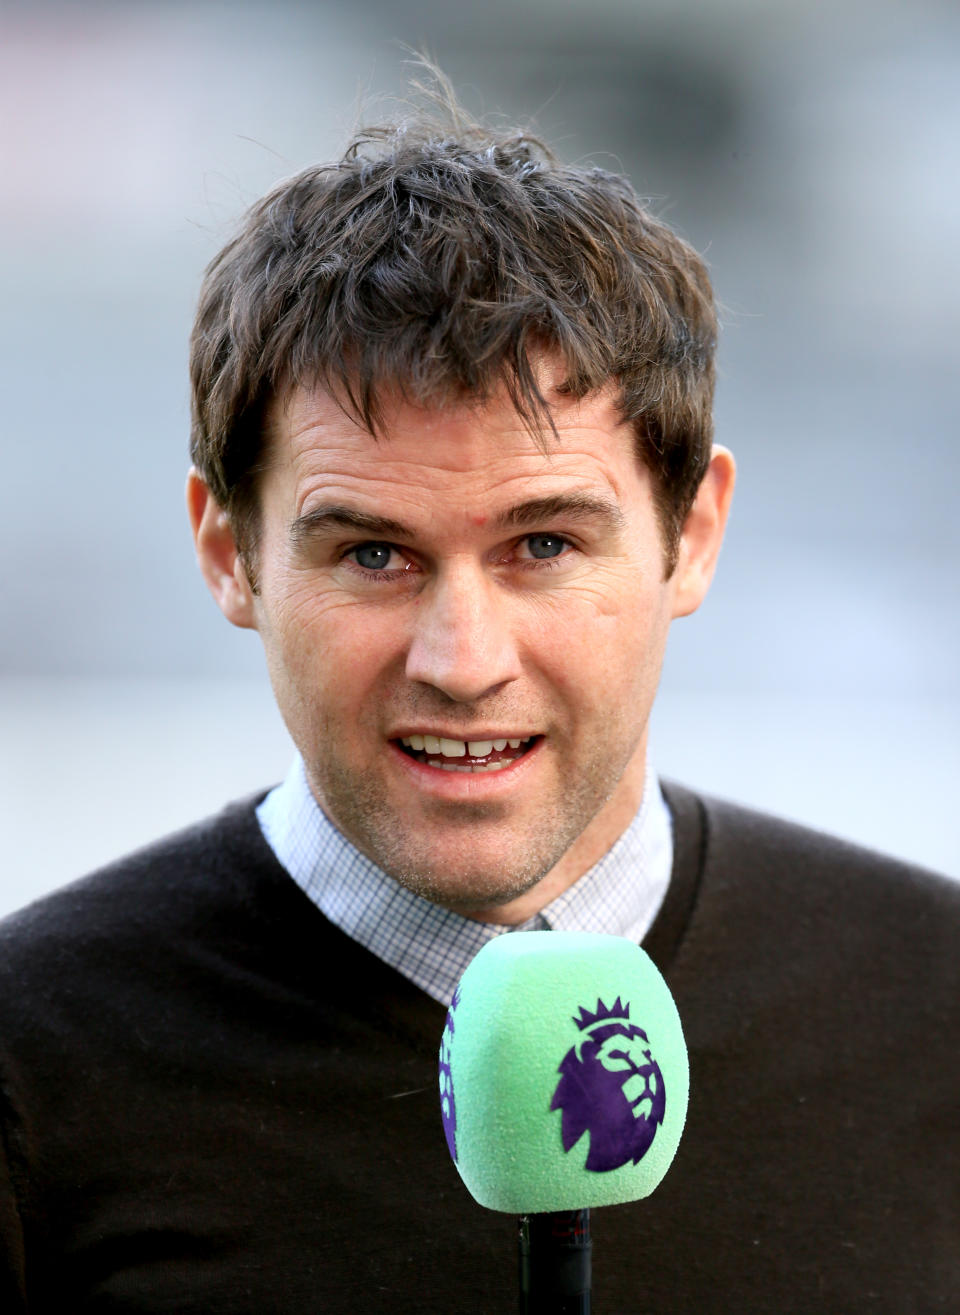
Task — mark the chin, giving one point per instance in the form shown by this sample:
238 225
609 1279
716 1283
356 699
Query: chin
462 887
469 893
467 861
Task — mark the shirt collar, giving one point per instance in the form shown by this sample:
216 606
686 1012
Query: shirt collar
430 945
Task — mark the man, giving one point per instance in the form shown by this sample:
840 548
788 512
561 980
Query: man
452 461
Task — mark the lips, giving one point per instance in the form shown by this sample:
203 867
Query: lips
480 755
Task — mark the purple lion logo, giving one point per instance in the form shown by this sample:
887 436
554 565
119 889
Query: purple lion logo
448 1108
610 1086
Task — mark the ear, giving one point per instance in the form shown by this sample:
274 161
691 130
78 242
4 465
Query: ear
218 555
702 533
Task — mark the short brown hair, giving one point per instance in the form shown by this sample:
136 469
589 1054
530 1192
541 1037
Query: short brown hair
439 257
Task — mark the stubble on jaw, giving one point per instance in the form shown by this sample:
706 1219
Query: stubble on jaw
355 805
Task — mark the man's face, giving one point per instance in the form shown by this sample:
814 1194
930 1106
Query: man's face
464 636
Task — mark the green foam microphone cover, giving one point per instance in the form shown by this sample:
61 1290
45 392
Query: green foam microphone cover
563 1073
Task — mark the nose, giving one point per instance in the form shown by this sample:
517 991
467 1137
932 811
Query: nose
462 641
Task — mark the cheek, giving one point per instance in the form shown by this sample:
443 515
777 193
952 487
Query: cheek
321 648
610 645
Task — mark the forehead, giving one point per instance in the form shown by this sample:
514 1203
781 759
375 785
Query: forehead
481 453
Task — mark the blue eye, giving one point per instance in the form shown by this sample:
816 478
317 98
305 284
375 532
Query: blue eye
545 545
373 556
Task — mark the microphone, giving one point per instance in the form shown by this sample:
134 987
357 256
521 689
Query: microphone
564 1083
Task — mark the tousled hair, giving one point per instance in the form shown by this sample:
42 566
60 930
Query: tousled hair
442 258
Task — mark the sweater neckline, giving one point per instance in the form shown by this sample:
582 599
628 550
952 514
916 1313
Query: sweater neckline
280 907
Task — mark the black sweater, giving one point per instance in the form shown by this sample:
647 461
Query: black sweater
214 1101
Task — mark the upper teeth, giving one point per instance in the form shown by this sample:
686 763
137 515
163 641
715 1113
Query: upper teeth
457 748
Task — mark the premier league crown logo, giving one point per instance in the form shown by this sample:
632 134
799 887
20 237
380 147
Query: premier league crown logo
610 1086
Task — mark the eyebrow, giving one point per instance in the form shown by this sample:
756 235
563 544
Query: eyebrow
562 506
535 511
326 519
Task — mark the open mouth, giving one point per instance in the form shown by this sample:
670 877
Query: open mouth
465 755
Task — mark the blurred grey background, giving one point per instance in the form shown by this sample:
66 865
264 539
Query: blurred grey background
810 150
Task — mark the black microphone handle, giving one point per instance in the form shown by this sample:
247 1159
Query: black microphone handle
555 1254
